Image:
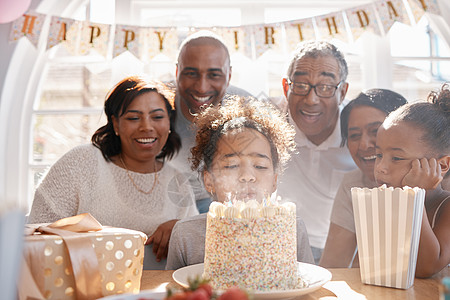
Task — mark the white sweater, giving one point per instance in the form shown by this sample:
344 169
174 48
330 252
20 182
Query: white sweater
83 181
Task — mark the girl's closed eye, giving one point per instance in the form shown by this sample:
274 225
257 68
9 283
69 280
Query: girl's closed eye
230 166
261 164
229 163
396 158
260 167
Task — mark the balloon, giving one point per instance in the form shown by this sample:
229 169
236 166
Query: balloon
12 9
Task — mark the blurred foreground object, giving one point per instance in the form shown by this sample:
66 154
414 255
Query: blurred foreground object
12 220
11 10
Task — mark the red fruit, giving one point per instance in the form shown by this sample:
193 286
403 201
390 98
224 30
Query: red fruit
199 294
234 293
180 296
207 288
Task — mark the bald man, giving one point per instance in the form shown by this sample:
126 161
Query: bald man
202 78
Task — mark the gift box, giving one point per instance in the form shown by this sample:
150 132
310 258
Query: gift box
77 258
388 223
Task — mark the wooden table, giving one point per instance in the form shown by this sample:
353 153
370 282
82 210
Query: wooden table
345 284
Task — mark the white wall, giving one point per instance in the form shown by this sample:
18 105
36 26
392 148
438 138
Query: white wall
6 51
21 65
20 69
6 54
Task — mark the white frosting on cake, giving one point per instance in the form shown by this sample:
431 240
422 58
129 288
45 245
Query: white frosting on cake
251 245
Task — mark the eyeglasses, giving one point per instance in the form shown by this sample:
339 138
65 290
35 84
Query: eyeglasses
321 90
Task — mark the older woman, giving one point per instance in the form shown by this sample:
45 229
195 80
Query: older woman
122 178
360 120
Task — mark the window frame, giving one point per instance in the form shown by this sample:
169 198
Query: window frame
22 86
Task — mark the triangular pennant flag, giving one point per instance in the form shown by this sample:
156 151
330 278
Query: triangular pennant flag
362 19
332 26
80 37
94 36
58 31
162 40
249 41
391 11
28 25
127 38
299 31
420 7
267 36
73 36
236 40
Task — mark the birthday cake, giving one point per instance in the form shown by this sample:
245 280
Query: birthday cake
252 246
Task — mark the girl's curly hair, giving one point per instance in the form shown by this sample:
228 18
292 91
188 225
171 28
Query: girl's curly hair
237 113
431 116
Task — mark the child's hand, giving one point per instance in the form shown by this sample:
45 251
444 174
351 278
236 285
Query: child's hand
160 239
424 173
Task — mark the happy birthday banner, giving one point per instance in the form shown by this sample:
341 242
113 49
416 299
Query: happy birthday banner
80 37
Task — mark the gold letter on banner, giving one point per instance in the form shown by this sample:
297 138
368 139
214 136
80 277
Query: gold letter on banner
91 41
125 44
424 5
299 27
161 39
361 14
236 41
28 24
272 31
329 25
62 32
391 10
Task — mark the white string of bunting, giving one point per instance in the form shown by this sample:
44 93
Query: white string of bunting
81 37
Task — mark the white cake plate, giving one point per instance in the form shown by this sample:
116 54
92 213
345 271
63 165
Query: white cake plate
314 275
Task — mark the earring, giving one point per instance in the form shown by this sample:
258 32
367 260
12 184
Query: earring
117 133
170 131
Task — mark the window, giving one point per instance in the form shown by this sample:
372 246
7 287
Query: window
421 60
66 113
68 92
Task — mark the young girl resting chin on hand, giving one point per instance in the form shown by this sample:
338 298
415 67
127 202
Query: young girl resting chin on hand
360 120
413 149
240 149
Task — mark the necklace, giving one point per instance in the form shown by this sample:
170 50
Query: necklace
134 183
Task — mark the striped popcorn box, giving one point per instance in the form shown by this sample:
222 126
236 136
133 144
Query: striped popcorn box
388 223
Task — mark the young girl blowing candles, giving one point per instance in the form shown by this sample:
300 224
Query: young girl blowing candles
240 149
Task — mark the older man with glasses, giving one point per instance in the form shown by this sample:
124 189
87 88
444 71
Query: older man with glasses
315 88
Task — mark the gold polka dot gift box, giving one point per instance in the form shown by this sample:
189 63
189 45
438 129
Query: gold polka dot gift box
77 258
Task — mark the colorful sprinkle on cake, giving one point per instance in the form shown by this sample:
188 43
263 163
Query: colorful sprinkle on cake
251 245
